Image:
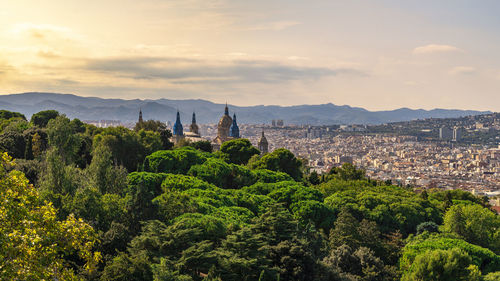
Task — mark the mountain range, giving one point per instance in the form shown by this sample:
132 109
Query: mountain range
93 108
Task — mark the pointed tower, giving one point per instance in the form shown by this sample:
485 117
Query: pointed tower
223 127
177 130
140 116
263 144
193 128
234 131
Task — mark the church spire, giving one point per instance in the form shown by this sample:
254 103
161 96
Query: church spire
263 144
234 131
177 130
226 110
140 115
194 127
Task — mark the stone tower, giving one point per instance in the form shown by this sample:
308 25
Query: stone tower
263 144
193 128
223 127
140 116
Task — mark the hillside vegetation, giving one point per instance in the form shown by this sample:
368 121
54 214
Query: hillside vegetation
86 203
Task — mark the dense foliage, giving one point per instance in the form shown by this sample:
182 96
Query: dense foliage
120 204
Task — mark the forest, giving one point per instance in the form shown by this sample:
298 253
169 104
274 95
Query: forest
85 203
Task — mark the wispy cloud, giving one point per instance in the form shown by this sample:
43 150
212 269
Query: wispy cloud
463 70
434 48
186 71
276 26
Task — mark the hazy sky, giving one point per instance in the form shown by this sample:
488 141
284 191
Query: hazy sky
374 54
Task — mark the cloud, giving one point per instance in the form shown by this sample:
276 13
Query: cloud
433 48
275 26
42 31
194 71
463 70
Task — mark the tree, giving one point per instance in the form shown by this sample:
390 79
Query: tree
63 138
347 172
34 243
126 145
103 174
280 160
42 118
268 176
445 265
5 114
158 127
428 226
205 146
359 264
13 143
177 161
59 180
483 258
313 178
238 151
475 224
313 211
221 174
39 144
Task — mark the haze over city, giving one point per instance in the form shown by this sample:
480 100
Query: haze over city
372 54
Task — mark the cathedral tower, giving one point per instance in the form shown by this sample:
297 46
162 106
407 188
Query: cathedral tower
234 131
263 144
140 116
223 127
193 128
178 131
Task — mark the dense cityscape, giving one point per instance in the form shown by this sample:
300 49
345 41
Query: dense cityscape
422 153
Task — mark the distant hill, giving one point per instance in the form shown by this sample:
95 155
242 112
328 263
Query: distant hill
92 108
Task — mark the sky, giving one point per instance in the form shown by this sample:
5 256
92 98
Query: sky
375 54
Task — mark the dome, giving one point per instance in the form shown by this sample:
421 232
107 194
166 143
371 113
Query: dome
225 121
223 127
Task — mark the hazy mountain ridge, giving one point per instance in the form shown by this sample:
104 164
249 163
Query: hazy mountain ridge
93 108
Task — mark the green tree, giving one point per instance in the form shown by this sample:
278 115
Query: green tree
475 224
158 127
221 174
347 172
34 243
268 176
445 265
103 174
314 178
126 145
428 226
59 181
205 146
42 118
177 161
39 144
5 114
483 258
13 143
280 160
238 151
63 138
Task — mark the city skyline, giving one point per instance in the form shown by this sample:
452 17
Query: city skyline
380 55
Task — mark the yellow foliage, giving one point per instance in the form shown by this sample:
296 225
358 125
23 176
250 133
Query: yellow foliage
32 241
